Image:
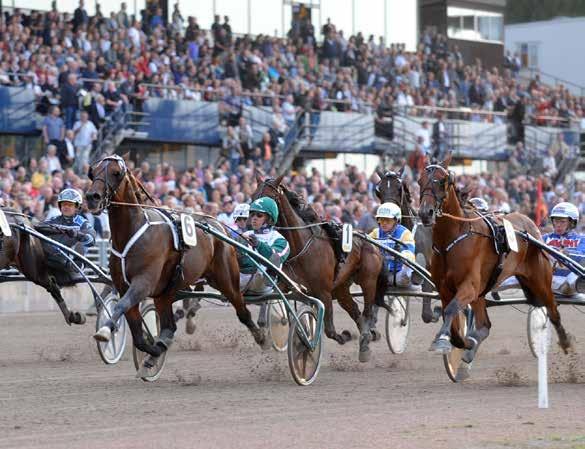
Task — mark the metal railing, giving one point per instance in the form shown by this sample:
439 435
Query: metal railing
554 79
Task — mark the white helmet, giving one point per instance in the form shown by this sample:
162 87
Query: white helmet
70 196
241 211
565 210
389 210
480 204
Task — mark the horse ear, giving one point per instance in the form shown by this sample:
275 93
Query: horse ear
126 156
278 180
259 177
446 161
401 171
90 173
380 173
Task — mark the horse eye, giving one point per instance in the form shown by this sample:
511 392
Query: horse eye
117 174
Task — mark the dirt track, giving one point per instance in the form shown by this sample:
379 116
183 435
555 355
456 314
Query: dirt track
219 390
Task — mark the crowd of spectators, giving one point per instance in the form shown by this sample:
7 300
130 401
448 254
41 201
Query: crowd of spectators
103 62
82 69
346 196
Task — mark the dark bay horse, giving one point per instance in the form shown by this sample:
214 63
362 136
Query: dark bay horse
465 263
391 188
25 252
148 263
315 253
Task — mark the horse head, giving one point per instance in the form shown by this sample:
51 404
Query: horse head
269 187
391 189
107 175
435 182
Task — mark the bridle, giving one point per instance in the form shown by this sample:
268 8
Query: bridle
428 188
110 191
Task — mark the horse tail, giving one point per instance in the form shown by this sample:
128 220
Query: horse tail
381 285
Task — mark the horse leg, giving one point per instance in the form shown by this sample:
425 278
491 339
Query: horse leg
225 277
481 331
345 300
135 293
188 311
70 316
330 331
539 293
464 296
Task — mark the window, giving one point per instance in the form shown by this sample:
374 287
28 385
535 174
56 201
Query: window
472 24
528 52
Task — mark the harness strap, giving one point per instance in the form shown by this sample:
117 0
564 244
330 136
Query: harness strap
450 246
135 237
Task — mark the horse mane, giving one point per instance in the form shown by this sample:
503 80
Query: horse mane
140 191
308 214
300 206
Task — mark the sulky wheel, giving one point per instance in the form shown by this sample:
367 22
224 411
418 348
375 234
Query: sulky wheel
457 369
303 362
111 352
398 324
278 325
150 319
536 327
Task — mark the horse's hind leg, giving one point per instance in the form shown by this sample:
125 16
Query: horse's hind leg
164 308
71 316
226 278
538 292
482 330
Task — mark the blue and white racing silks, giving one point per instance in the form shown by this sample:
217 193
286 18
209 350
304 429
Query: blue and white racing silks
402 234
573 245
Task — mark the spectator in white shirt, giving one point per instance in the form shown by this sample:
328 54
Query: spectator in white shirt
53 163
425 133
85 133
69 149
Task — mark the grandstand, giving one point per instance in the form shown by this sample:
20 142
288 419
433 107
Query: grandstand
204 93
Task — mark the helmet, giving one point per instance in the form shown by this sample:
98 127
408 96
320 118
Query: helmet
70 195
266 205
389 210
480 204
565 210
241 211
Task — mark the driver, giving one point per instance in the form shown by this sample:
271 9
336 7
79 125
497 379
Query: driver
388 217
564 218
265 240
70 229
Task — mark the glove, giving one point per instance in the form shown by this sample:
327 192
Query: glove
253 240
72 233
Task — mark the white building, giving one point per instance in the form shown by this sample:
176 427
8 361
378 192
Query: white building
554 47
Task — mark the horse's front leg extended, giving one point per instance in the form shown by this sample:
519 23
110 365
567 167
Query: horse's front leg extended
464 296
135 293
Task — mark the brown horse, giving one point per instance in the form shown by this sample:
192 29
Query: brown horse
465 264
315 253
25 252
391 188
148 262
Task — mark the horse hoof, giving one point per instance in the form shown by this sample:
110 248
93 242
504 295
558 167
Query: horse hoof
346 335
148 367
179 315
103 334
468 355
77 318
365 356
462 373
190 326
376 334
441 346
437 313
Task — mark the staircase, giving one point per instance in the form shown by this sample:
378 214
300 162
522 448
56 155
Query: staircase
118 126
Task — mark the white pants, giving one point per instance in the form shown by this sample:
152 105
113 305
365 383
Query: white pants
254 284
402 277
564 285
